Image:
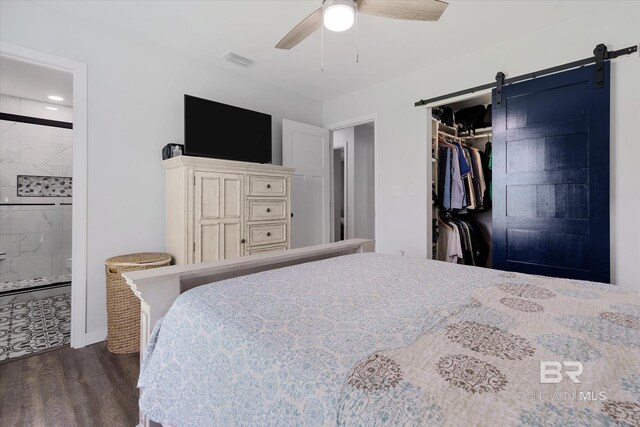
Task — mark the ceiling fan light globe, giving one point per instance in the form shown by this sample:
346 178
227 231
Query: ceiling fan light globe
339 17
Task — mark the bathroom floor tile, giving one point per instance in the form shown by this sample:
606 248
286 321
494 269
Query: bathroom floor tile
30 326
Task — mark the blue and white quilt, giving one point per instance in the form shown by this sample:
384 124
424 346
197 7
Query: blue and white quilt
373 339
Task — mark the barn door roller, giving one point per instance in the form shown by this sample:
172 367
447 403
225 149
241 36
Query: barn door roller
499 83
600 52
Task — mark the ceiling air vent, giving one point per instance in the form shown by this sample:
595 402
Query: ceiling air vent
238 59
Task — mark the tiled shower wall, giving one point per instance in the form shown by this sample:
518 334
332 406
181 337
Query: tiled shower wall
37 239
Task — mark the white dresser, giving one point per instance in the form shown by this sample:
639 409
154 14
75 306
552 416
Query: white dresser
221 209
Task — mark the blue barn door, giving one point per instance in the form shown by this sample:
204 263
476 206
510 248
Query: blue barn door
551 176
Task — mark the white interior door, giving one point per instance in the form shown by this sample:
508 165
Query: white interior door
308 149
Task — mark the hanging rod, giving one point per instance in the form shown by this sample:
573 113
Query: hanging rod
600 54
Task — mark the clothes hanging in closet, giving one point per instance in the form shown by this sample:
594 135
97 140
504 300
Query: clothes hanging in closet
449 242
462 242
486 167
484 223
477 177
450 184
461 175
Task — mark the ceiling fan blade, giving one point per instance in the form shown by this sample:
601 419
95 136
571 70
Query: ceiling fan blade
301 31
411 10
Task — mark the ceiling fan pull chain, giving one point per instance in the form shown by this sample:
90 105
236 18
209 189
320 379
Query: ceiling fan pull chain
356 8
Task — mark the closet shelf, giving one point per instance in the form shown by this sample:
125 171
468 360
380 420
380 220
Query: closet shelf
450 136
481 131
450 130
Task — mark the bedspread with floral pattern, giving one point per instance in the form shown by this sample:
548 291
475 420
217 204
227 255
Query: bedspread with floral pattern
373 339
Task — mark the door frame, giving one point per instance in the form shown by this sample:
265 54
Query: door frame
370 118
344 189
348 197
447 101
79 337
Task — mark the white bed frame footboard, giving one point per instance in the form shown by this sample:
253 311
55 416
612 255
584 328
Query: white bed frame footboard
158 288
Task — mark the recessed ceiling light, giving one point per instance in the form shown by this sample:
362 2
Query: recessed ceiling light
52 108
56 98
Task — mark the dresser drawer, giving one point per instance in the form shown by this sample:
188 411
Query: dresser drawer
267 185
266 234
264 250
266 209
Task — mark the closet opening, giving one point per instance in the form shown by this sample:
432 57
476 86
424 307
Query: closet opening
544 178
460 223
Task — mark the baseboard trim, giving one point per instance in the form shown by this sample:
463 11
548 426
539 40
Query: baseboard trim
93 337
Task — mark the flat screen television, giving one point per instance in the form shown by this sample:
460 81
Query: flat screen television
213 129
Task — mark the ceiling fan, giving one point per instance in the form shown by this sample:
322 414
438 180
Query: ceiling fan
339 15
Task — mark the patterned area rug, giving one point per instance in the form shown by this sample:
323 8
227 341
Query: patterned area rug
35 325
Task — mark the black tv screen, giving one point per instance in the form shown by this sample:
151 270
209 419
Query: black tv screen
212 129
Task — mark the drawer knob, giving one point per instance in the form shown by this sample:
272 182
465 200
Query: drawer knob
268 185
242 241
268 234
268 209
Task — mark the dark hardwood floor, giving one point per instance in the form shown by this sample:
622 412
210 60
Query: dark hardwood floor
66 387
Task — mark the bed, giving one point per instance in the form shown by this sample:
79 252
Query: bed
338 335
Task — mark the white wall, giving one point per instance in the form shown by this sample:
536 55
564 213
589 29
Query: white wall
402 128
135 92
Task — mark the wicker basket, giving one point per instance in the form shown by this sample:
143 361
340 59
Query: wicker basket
123 307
